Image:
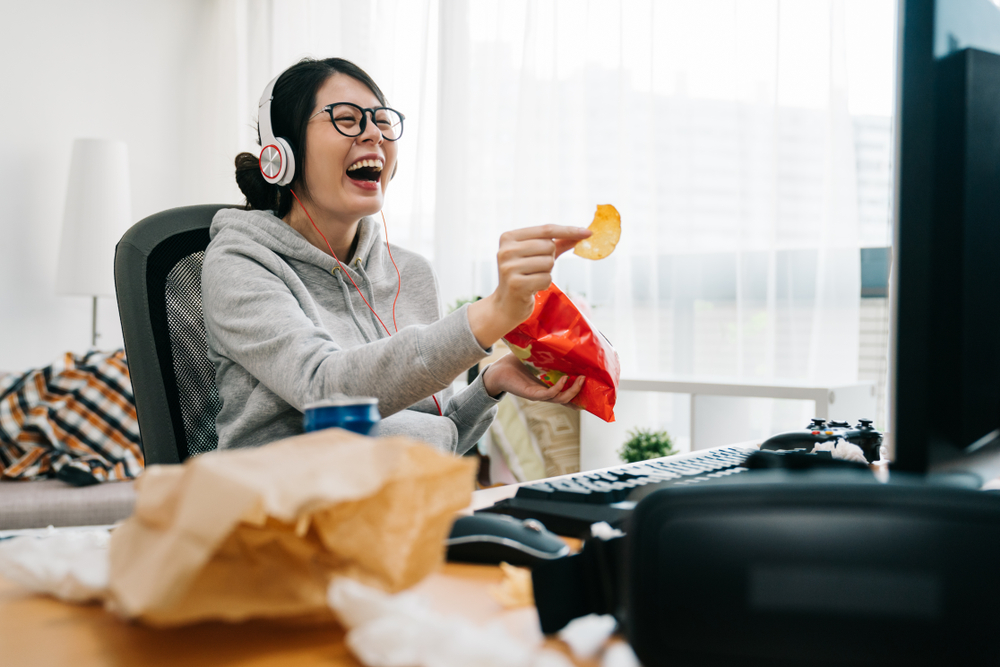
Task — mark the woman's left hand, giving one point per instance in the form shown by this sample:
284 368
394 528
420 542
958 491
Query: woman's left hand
510 375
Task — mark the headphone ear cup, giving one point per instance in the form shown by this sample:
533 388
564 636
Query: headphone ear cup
288 161
277 162
272 162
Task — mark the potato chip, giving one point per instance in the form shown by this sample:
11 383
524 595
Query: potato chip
607 228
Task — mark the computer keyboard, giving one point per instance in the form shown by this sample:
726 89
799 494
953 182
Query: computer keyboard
568 505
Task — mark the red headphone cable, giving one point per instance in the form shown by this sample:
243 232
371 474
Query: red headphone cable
399 287
398 278
385 228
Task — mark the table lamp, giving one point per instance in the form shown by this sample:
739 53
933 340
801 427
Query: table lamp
98 212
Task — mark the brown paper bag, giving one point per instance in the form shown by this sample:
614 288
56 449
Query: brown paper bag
260 532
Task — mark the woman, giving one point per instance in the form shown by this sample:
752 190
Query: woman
302 297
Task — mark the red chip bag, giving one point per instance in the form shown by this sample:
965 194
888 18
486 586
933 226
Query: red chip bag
558 340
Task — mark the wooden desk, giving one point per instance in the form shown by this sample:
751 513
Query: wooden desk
38 630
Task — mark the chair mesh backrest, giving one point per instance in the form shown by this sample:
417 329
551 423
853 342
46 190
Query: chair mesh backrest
193 372
158 266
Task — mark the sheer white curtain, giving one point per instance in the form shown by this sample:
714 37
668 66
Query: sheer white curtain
720 130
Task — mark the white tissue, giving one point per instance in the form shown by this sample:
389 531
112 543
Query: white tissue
841 449
72 565
603 531
587 634
620 655
402 631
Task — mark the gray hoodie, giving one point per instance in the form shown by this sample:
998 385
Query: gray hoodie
286 328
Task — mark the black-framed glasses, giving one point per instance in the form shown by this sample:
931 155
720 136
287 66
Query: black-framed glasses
351 120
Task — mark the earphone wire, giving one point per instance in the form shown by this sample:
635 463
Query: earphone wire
399 278
388 333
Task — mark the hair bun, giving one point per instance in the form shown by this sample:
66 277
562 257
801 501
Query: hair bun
261 195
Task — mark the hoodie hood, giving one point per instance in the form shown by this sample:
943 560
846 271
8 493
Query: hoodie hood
277 235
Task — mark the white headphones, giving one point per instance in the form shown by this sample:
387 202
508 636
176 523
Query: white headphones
277 162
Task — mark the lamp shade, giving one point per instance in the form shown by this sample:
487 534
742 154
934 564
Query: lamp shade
98 213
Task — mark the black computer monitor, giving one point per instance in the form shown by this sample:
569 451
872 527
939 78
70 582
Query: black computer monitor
945 388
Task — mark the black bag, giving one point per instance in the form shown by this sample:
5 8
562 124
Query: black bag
779 567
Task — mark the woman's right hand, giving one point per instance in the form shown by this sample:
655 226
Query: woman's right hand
525 262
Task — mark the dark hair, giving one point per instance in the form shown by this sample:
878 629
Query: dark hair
292 103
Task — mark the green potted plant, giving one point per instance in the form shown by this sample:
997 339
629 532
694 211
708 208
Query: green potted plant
644 444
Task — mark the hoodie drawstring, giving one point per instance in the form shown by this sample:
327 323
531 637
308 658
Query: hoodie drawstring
366 281
371 296
350 306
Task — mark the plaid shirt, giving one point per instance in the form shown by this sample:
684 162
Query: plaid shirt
74 420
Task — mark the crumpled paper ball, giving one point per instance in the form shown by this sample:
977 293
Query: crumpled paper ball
587 635
71 565
402 631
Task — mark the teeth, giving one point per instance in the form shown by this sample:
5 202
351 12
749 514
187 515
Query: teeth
374 164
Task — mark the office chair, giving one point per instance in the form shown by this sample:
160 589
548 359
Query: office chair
158 284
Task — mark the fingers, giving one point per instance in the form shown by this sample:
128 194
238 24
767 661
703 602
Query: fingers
532 255
568 395
556 393
545 239
550 232
525 262
565 245
525 384
526 266
511 253
553 392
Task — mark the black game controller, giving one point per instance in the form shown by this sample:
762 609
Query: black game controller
862 435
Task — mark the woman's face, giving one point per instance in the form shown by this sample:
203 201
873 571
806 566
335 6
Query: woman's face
333 187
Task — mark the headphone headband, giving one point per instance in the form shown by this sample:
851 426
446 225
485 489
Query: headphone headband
264 114
277 162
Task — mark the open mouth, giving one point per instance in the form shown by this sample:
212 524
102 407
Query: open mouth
365 170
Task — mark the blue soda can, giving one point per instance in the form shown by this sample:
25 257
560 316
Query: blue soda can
358 414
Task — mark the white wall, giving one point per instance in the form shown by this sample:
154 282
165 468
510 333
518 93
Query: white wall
133 70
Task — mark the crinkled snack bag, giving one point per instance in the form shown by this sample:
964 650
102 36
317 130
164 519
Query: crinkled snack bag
558 340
